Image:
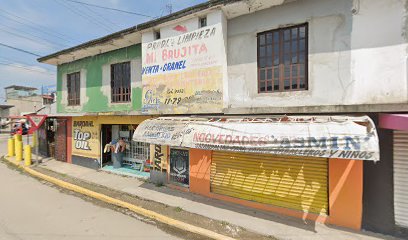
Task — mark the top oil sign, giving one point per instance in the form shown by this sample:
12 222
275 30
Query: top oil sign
184 74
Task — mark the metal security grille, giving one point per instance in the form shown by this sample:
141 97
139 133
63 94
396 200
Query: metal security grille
120 82
282 59
401 178
74 88
135 151
299 183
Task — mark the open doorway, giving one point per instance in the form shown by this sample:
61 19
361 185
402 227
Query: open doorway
106 139
117 146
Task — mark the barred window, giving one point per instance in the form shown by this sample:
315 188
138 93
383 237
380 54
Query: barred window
282 59
120 82
74 88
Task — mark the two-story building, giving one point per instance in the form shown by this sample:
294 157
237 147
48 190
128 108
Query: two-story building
271 104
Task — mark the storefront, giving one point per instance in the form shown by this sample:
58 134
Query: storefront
46 138
307 167
96 139
397 126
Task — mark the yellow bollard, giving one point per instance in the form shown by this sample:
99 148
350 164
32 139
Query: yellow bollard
27 155
18 137
11 147
19 151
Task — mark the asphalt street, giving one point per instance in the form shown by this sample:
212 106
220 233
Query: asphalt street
32 210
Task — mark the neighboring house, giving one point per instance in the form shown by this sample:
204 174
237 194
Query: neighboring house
4 115
24 100
254 94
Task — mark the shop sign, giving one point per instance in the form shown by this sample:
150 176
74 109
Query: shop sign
158 157
184 74
329 139
179 166
85 136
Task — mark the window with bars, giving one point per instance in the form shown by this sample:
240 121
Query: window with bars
74 88
282 59
120 82
134 150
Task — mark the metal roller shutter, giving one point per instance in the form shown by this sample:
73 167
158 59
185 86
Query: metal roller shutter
401 178
292 182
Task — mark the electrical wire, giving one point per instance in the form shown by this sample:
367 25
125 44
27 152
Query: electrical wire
85 16
108 8
32 39
19 49
13 61
18 31
102 17
25 68
33 25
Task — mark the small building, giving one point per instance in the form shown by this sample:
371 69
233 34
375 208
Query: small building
23 99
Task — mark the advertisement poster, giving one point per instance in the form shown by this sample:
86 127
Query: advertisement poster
179 167
85 138
184 74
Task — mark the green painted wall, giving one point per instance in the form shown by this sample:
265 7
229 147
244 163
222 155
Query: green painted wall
96 100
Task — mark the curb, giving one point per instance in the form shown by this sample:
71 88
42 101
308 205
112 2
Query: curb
139 210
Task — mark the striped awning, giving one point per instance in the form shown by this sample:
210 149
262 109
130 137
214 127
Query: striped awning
347 137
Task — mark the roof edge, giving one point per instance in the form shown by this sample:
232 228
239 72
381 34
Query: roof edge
142 26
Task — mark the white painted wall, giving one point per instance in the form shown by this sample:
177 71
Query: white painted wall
353 59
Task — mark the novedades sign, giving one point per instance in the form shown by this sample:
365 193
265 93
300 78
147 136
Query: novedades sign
329 139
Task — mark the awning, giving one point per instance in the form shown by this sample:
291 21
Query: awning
394 121
314 136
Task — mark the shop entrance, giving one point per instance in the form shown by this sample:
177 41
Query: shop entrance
117 146
106 139
46 138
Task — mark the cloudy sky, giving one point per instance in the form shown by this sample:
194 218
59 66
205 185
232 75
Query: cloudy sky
45 26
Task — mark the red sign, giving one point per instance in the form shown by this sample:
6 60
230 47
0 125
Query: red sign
36 121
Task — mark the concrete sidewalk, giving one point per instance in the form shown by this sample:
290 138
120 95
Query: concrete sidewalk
254 220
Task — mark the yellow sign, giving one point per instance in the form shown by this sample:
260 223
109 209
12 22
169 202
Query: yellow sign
171 93
158 157
85 138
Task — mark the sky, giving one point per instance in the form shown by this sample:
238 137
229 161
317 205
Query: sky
43 27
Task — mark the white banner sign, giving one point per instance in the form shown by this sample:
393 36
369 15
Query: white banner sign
328 139
184 74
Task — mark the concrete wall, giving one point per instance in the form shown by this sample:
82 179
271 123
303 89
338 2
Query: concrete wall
24 105
95 82
354 59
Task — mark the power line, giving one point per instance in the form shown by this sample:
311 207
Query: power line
20 50
13 61
32 25
102 17
84 15
25 68
33 35
32 39
108 8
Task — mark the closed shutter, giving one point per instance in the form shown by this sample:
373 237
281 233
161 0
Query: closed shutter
401 178
292 182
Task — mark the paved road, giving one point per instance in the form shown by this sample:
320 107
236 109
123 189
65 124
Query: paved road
3 144
32 210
